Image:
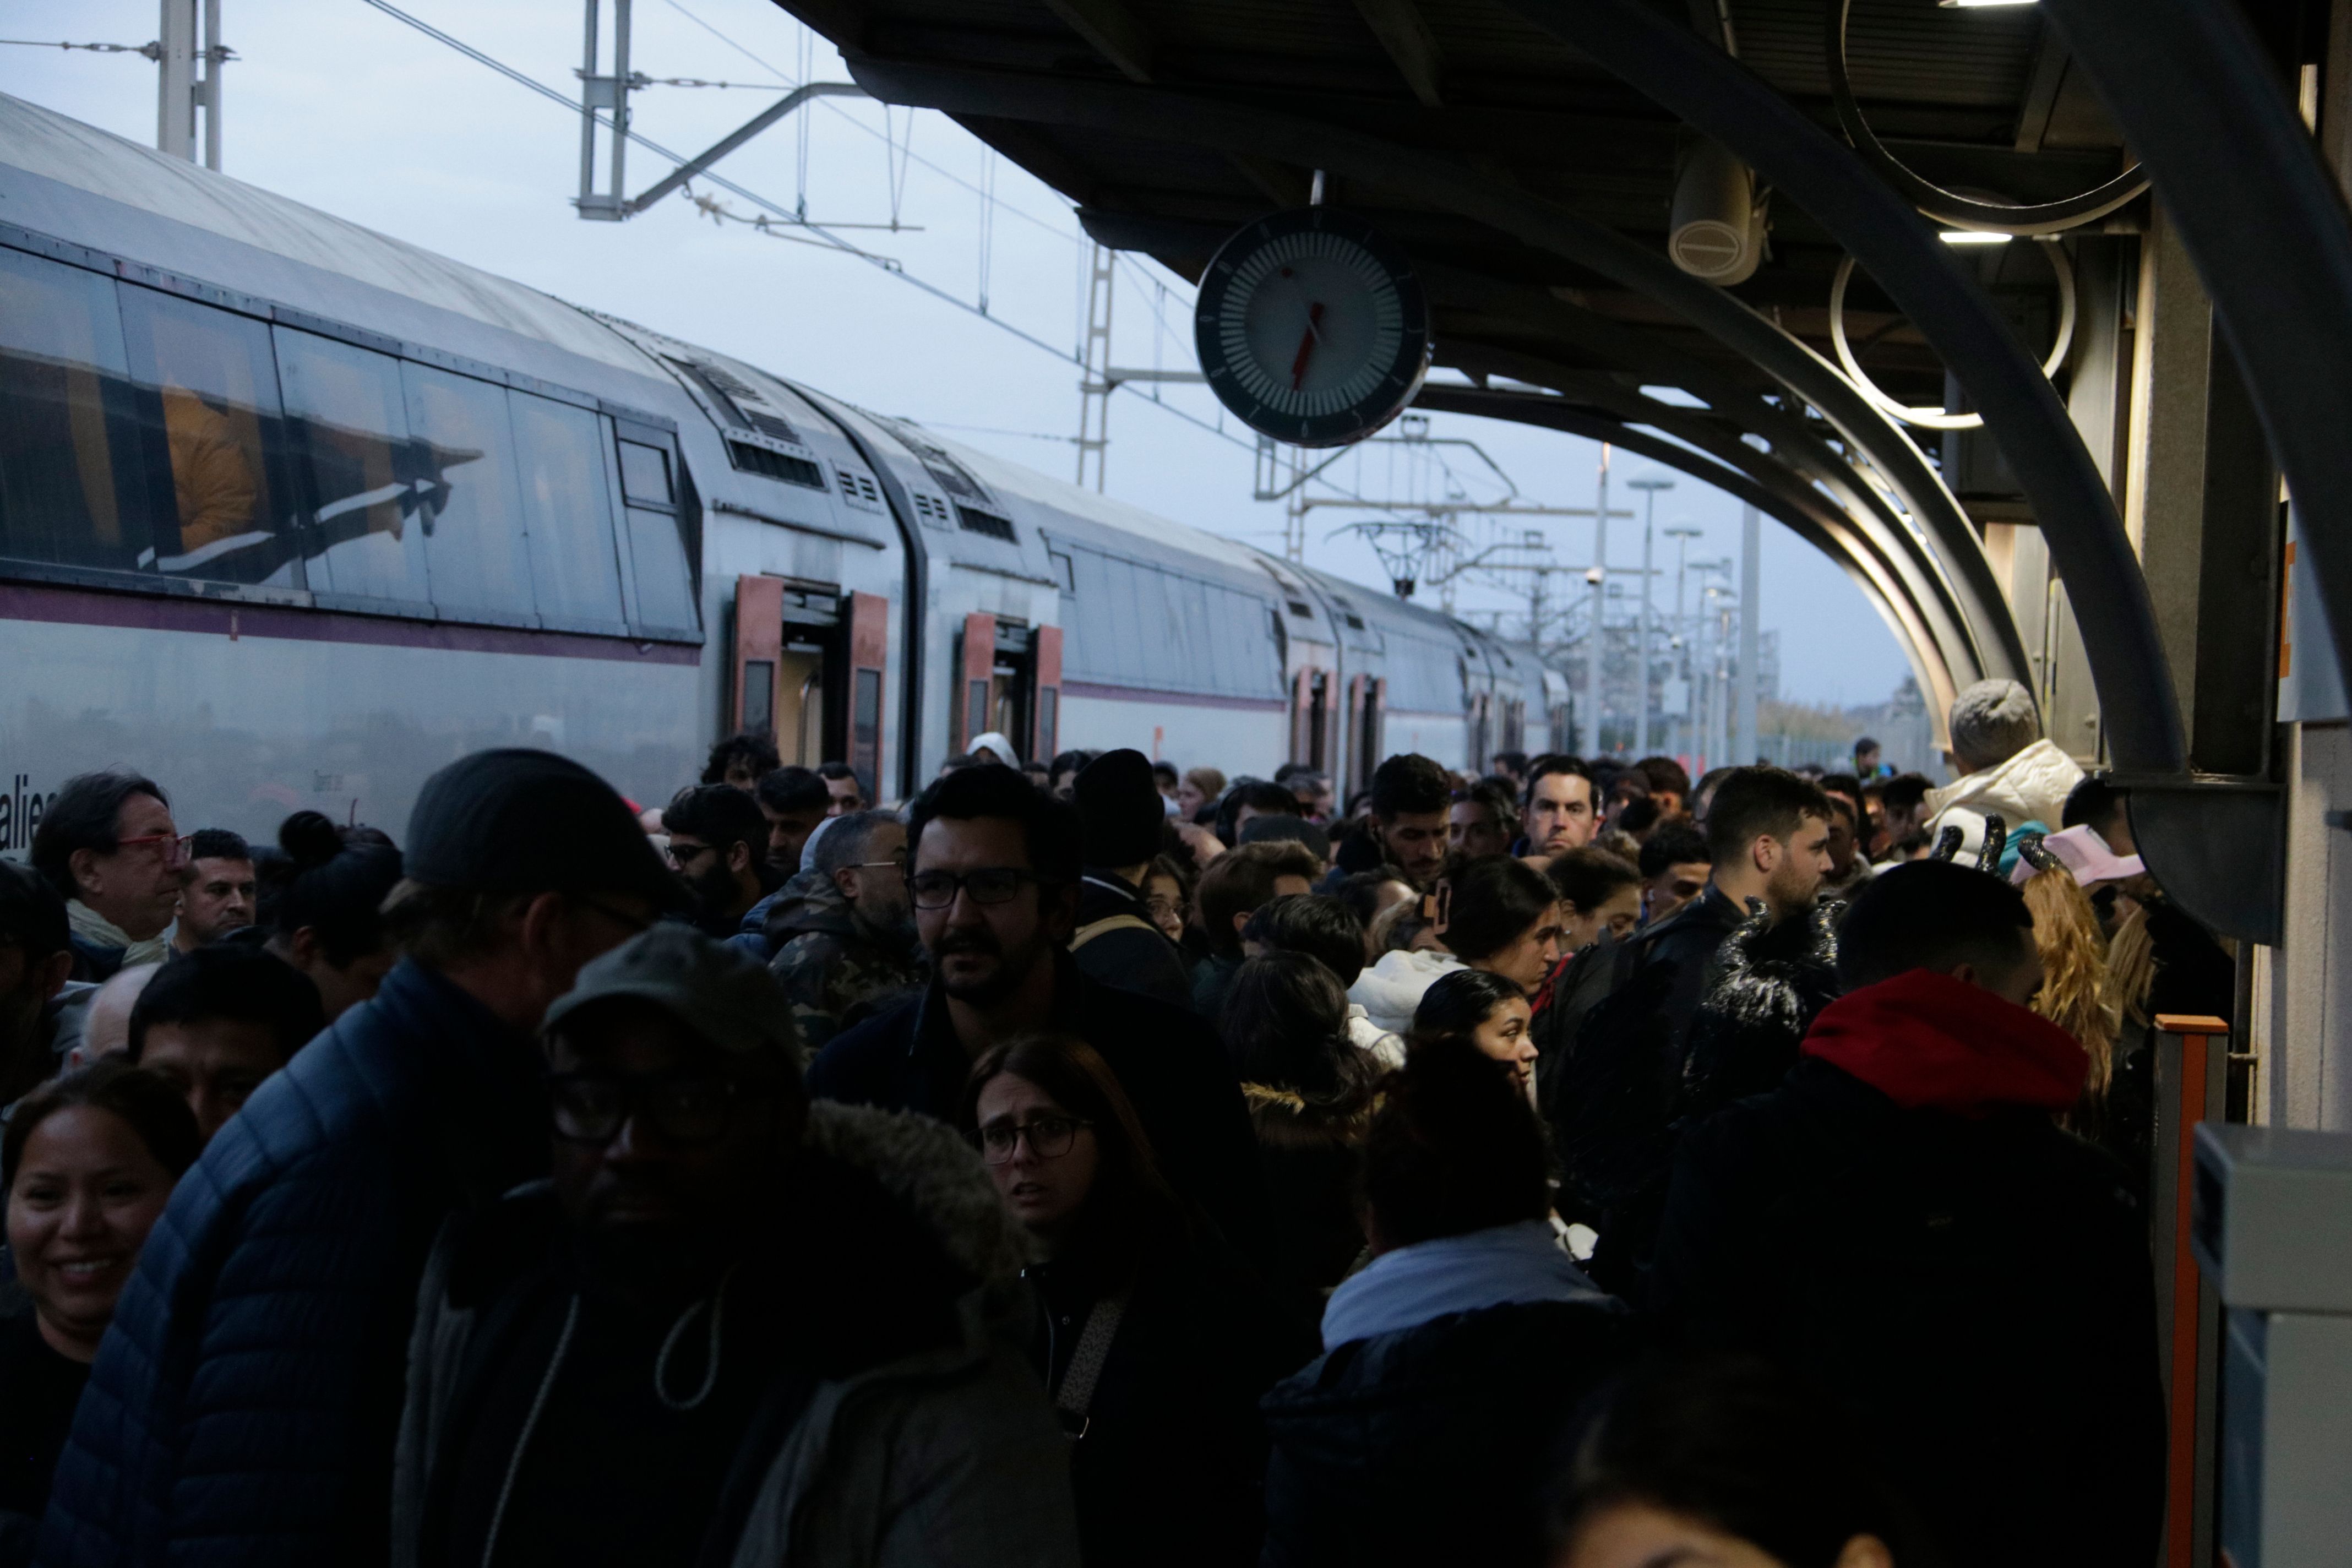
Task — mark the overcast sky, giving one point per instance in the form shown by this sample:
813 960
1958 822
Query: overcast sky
337 105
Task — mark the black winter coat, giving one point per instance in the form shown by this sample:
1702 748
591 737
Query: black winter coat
1172 1467
1171 1063
1143 961
1977 1290
1433 1445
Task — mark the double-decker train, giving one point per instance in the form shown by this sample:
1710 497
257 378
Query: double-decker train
292 513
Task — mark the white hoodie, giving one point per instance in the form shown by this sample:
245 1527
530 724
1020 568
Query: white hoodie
2031 787
1390 990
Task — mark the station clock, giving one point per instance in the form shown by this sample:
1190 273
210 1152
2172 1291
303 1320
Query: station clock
1312 328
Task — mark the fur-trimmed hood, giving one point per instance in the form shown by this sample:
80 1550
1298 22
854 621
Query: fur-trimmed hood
928 1167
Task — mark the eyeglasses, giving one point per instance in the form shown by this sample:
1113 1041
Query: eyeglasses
175 845
1050 1138
681 1109
684 856
989 885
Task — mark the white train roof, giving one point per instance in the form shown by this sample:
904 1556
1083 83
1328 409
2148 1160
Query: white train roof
113 169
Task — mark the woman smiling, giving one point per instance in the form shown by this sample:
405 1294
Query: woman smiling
88 1162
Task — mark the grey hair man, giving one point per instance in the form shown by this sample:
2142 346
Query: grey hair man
2006 767
844 931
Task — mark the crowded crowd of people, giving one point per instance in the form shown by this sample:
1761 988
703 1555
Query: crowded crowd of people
1092 1162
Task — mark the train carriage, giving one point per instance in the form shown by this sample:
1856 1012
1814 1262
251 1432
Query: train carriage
292 512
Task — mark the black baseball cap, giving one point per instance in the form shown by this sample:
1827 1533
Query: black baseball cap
516 820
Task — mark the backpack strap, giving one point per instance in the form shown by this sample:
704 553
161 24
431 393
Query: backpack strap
1093 929
1077 1390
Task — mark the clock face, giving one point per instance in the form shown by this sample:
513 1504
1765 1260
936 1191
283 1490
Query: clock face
1311 327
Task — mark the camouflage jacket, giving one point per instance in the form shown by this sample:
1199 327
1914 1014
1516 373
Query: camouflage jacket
833 969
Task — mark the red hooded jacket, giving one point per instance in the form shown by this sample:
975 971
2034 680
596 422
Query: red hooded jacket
1928 1041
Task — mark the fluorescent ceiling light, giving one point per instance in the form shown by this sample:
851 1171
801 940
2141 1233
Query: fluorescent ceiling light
1973 235
1976 5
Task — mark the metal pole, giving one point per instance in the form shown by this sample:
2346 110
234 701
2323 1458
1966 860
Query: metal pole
175 89
1596 644
215 57
587 111
1649 488
1751 571
620 95
1686 730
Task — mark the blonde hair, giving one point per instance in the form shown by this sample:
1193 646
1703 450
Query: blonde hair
2131 965
2076 991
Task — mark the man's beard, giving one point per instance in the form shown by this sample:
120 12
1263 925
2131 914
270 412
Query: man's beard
714 890
1013 968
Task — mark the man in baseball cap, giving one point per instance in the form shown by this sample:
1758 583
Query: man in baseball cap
251 1384
714 1265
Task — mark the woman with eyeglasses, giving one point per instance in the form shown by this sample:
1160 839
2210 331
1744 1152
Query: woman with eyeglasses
1154 1341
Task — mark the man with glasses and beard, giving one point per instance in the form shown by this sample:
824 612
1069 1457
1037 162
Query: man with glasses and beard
994 880
735 1326
717 840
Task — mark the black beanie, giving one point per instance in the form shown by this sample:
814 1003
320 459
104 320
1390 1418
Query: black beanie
1119 810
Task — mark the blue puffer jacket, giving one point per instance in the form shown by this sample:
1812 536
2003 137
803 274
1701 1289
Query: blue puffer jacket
244 1404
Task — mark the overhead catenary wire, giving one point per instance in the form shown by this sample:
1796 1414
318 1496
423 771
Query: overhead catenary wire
788 217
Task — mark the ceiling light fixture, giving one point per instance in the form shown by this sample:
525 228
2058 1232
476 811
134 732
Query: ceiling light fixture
1978 5
1973 236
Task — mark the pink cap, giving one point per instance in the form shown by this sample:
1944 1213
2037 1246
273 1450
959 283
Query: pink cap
2086 854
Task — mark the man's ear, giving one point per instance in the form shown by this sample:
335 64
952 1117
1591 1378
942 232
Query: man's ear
1764 854
738 857
845 882
82 867
1241 919
53 974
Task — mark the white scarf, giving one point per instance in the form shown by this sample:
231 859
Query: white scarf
99 932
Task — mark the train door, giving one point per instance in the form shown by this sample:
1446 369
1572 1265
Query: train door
1001 688
1311 715
1047 671
1366 694
1481 731
810 663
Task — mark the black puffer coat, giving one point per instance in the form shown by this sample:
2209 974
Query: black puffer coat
1433 1445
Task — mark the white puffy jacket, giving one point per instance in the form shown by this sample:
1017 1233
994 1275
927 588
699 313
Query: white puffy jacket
2031 787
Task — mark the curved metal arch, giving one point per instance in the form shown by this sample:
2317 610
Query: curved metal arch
1725 100
2231 162
1814 523
1865 532
1791 441
1158 115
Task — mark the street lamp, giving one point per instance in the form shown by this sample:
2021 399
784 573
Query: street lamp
1649 487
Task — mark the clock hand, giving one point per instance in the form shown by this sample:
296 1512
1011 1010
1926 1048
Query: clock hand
1307 342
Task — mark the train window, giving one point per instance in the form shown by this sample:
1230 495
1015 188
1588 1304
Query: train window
645 475
567 513
665 583
70 490
208 414
472 503
348 421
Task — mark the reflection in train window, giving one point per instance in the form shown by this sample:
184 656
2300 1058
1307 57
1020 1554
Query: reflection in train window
664 584
209 413
471 505
70 489
567 511
349 425
645 475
